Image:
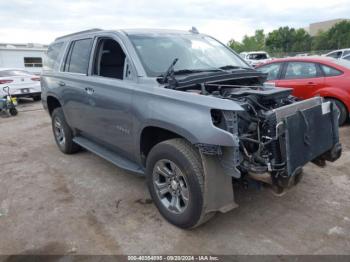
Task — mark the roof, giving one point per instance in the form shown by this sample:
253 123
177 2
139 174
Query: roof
135 31
305 58
314 59
339 50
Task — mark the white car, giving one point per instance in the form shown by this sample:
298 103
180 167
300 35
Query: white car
255 58
341 53
347 57
21 83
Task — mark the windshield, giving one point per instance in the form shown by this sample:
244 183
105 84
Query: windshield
194 52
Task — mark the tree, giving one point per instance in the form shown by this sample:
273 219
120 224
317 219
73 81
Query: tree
339 35
235 45
249 43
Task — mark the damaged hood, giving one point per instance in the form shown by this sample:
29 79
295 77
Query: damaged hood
185 80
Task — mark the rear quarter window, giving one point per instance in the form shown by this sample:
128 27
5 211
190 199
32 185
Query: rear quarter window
330 71
52 55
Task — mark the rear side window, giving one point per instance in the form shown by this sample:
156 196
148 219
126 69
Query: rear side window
330 71
51 58
297 70
77 60
271 70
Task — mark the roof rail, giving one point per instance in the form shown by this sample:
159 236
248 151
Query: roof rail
80 32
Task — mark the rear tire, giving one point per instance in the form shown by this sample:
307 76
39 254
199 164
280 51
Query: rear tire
63 133
343 112
174 171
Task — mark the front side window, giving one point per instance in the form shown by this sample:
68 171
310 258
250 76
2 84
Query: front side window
297 70
33 62
194 52
330 71
109 59
272 70
77 60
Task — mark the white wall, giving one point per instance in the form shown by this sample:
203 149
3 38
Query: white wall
15 58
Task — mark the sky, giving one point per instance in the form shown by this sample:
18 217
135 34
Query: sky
41 21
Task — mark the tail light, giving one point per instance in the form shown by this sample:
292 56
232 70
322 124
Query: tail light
35 78
5 81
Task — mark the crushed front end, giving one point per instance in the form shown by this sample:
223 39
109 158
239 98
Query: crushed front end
277 135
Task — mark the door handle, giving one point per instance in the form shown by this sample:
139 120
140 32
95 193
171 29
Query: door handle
89 90
311 83
61 83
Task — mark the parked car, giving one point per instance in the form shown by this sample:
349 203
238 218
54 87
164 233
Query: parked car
339 53
21 83
313 76
255 58
347 57
185 111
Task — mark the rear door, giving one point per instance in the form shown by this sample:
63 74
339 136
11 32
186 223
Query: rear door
73 81
303 77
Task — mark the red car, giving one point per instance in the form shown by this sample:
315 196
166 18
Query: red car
313 76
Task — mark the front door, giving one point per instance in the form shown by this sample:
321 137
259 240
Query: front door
109 97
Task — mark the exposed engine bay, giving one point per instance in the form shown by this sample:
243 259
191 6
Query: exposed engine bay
276 134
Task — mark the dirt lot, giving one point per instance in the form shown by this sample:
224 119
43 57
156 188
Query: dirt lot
51 203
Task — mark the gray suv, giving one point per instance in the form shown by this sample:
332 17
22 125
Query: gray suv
185 111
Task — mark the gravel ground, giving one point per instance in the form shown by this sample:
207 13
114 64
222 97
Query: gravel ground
51 203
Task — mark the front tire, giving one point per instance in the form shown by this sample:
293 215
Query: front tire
63 133
176 182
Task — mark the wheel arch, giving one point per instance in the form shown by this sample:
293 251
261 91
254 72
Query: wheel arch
152 135
337 94
52 103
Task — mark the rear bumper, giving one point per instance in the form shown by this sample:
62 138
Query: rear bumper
27 94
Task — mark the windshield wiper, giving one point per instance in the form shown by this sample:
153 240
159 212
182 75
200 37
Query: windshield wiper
228 67
170 71
193 71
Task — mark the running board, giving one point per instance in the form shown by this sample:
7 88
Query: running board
108 155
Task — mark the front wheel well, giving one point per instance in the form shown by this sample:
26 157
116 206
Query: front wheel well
52 104
151 136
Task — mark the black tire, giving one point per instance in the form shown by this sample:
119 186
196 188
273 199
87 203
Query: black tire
13 111
185 156
65 141
37 98
343 112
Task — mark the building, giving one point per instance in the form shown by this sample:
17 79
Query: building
25 56
314 28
